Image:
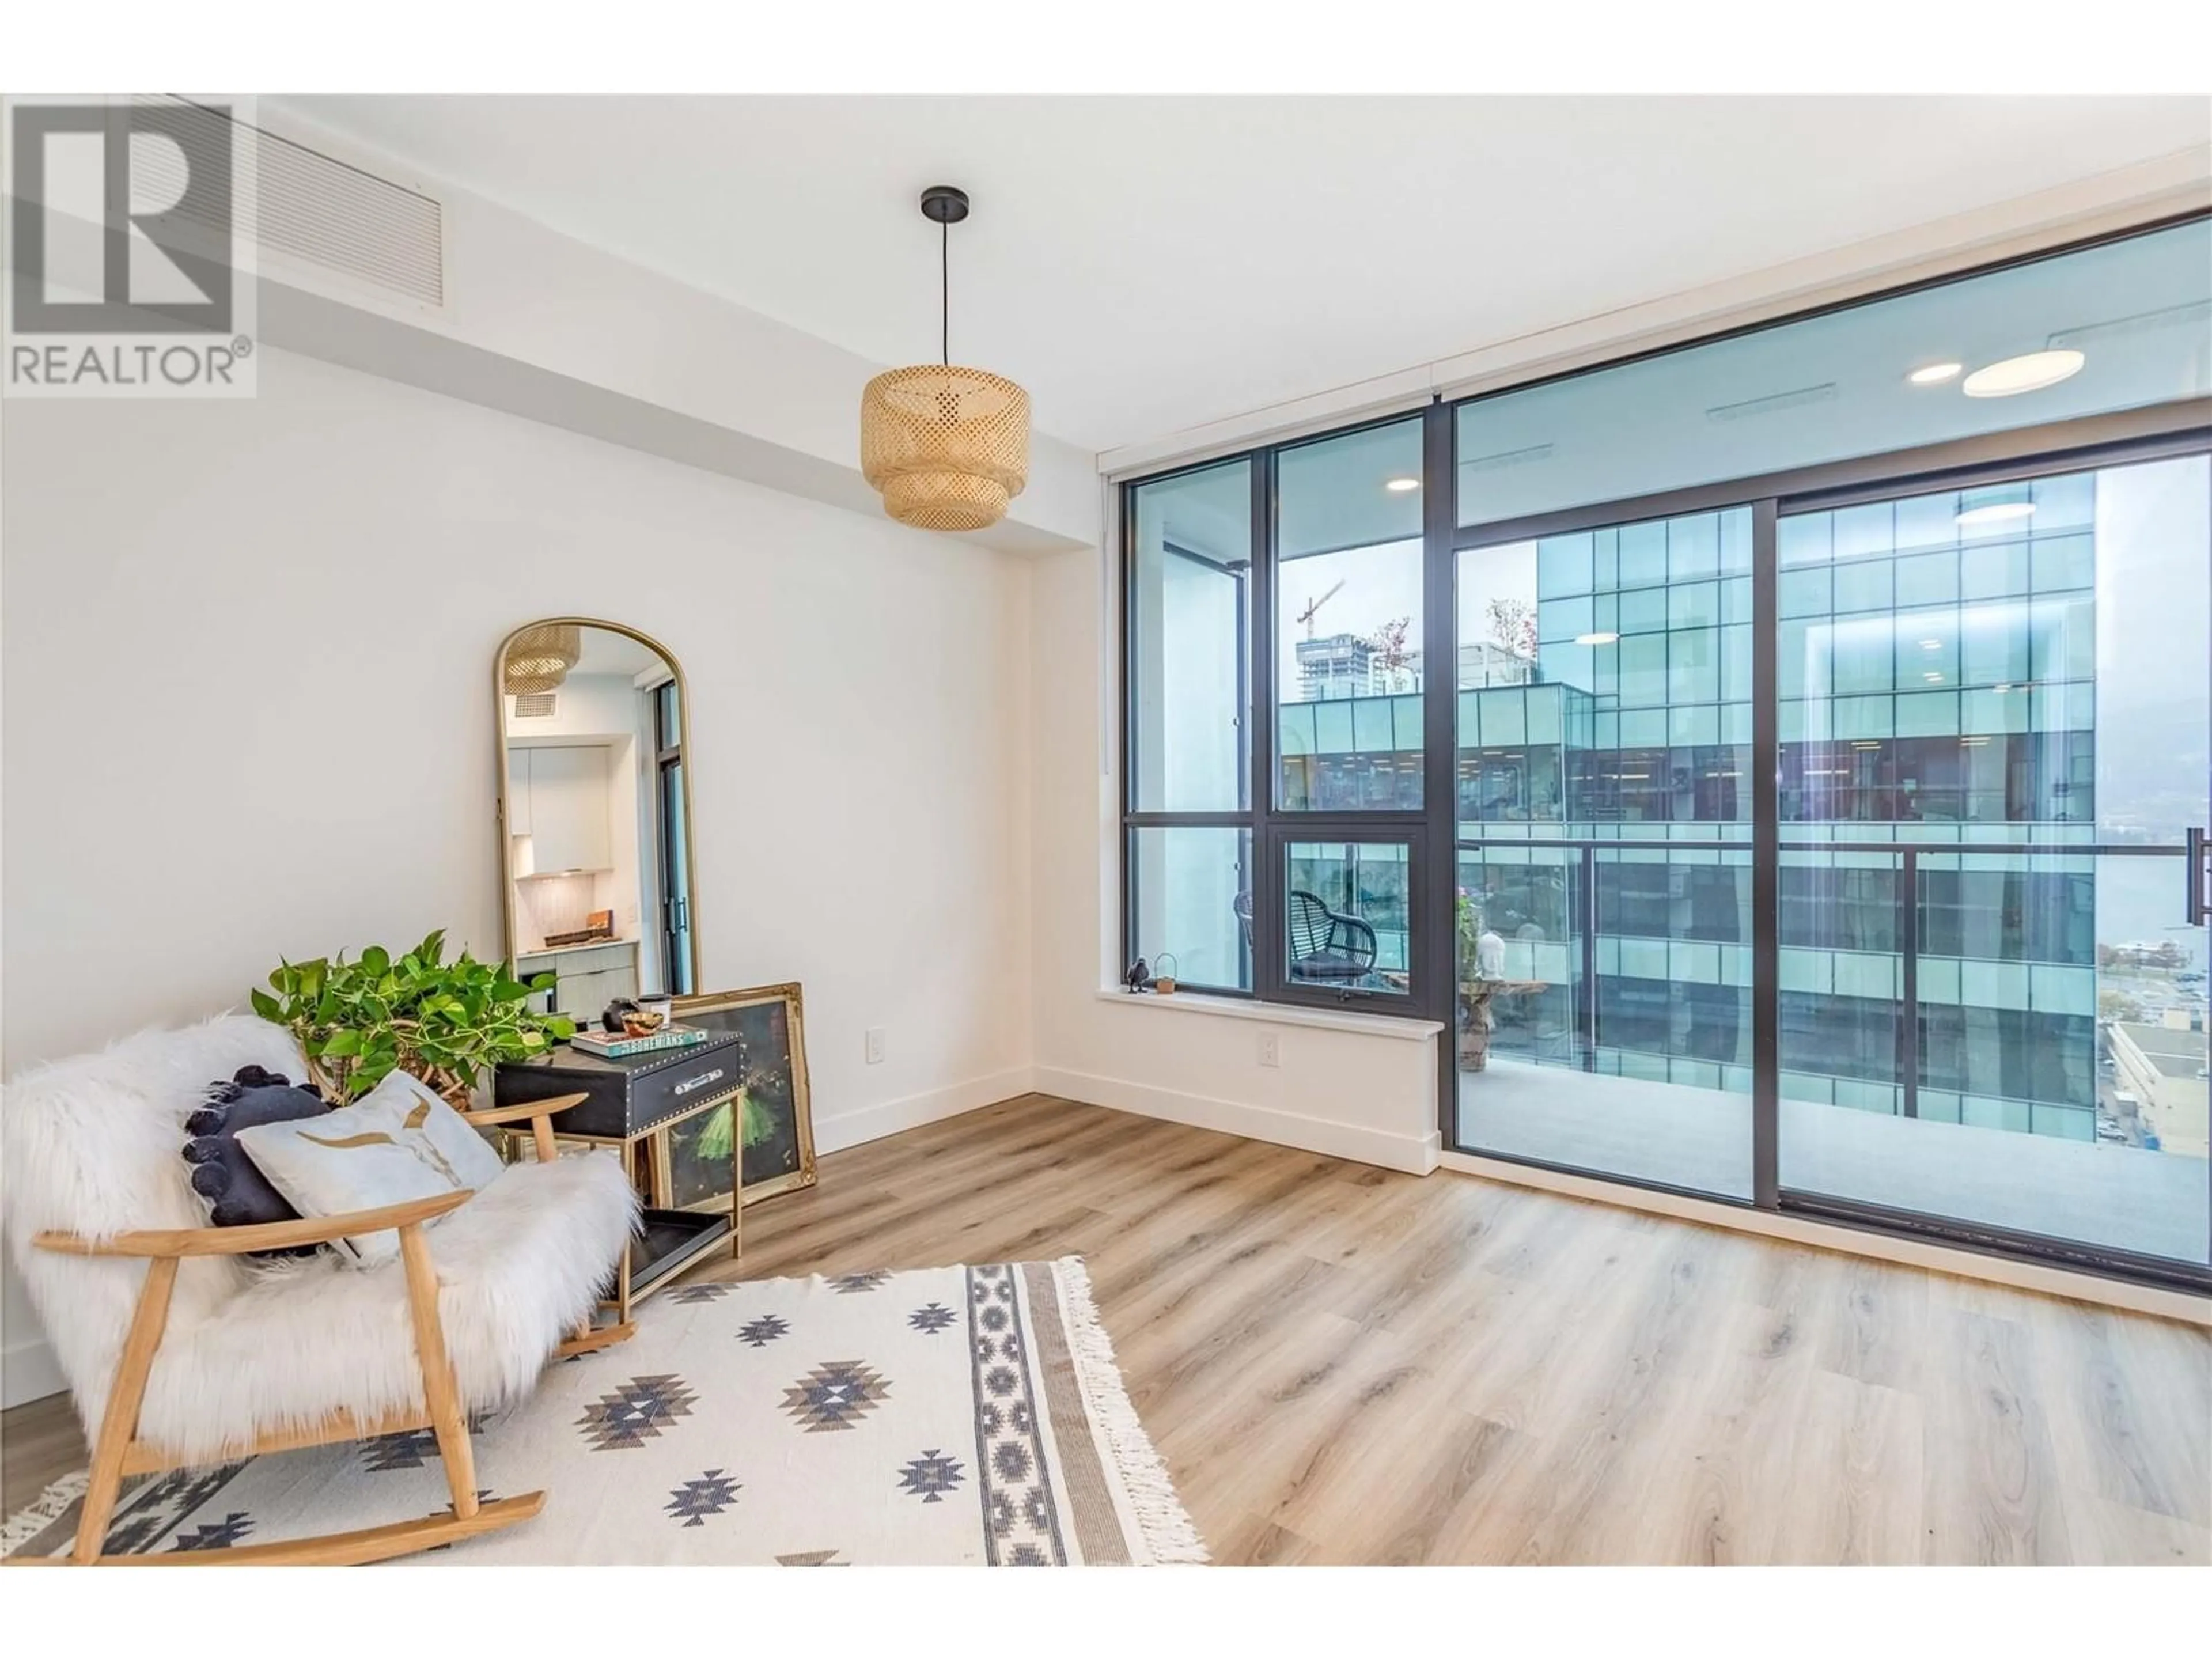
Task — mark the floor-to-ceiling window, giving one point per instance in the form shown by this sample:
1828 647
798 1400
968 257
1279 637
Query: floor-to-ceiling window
674 817
1603 897
1994 741
1187 780
1795 737
1349 672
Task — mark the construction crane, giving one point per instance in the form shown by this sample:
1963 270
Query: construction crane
1306 615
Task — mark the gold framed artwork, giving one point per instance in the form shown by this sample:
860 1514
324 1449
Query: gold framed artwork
771 1116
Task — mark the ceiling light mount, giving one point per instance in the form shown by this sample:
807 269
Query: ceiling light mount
944 204
948 447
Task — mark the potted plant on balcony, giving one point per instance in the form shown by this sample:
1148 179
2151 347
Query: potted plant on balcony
446 1023
1479 953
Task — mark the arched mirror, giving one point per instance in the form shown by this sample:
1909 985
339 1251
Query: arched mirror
595 813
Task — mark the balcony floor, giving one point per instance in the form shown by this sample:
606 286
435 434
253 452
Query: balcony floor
2122 1197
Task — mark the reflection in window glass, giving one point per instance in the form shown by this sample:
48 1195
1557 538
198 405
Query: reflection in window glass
1826 388
1348 622
1190 903
1189 565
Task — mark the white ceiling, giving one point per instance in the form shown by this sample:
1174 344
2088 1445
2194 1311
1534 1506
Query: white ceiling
1145 265
606 651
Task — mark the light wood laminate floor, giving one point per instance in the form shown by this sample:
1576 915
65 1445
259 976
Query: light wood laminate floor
1344 1364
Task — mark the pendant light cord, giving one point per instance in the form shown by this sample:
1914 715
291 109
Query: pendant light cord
944 293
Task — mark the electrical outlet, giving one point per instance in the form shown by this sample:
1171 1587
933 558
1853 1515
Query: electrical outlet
875 1045
1271 1048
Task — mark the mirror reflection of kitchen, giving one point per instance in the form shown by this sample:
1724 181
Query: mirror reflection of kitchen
597 825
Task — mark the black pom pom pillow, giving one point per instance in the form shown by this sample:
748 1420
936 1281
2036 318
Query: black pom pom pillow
237 1194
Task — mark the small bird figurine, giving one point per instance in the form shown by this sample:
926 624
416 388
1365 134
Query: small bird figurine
1139 976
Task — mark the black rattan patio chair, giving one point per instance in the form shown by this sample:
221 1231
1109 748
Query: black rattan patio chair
1321 944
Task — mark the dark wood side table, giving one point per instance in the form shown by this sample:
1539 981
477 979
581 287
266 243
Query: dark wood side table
630 1102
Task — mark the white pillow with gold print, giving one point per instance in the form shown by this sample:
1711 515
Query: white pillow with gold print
398 1142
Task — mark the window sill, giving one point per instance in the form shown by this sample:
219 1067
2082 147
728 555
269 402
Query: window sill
1278 1013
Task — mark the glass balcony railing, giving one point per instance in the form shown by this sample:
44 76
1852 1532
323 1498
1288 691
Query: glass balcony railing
1998 994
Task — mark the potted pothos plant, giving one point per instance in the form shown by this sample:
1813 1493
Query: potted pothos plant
446 1023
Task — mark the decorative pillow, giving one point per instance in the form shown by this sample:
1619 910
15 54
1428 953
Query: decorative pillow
398 1142
237 1193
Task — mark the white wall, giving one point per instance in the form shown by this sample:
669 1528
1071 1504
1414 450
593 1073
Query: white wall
1362 1093
248 713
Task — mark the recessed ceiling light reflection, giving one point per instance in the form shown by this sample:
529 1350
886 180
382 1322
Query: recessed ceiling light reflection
1402 486
1934 373
1596 639
1931 645
1996 512
2030 372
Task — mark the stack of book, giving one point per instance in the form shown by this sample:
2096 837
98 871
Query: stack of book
613 1045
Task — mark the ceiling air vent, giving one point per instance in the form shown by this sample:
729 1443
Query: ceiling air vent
2195 315
328 214
535 705
1773 404
1506 457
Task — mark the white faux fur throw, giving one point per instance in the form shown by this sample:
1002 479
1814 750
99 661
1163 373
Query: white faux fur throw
94 1145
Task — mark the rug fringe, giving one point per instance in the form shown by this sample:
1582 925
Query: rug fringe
1168 1536
52 1503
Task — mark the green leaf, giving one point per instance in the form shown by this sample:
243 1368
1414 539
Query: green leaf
342 1044
543 983
265 1006
375 961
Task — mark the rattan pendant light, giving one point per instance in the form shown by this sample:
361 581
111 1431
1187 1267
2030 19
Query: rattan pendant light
948 448
540 658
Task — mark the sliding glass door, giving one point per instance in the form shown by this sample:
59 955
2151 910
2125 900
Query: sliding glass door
1984 710
1603 909
1993 745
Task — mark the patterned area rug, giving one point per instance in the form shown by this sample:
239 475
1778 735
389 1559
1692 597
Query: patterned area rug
952 1416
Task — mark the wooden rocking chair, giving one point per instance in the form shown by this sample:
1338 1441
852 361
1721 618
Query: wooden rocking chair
541 1238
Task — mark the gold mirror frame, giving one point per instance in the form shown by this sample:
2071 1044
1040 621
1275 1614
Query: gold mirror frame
499 735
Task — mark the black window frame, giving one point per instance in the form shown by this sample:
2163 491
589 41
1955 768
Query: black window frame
2132 434
1270 826
1251 577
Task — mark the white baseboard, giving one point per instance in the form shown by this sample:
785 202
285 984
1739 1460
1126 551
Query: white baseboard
1414 1154
1851 1241
28 1371
866 1123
